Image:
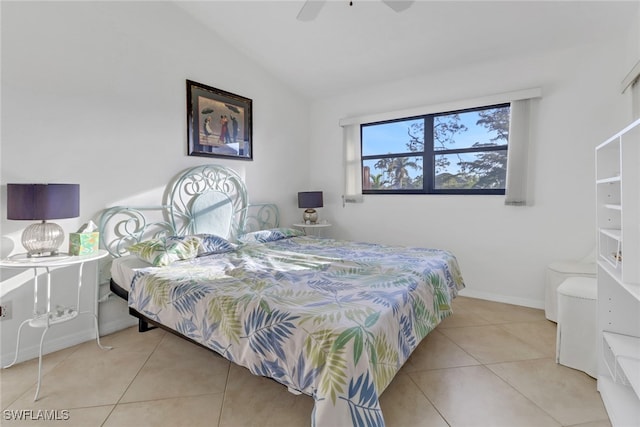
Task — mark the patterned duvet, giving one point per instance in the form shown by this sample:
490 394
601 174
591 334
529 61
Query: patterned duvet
332 319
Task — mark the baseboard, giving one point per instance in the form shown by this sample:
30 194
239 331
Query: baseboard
117 325
525 302
56 344
50 346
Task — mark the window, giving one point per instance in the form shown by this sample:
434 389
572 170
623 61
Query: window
456 152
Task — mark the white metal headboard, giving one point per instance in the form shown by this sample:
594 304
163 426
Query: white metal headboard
208 199
203 199
123 226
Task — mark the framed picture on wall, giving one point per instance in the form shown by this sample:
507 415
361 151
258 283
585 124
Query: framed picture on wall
219 123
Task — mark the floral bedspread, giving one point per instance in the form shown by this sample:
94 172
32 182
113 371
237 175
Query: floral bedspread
332 319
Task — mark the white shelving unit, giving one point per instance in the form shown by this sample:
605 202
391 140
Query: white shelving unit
618 234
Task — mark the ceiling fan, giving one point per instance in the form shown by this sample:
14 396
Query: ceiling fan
311 8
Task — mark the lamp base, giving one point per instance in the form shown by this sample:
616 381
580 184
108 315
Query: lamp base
310 215
42 239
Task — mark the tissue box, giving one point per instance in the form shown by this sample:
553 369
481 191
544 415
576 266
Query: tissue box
83 243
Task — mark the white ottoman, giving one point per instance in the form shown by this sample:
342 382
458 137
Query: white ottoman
576 334
558 272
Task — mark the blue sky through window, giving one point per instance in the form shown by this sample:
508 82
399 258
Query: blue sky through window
386 138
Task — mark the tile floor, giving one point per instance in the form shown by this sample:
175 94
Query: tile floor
488 365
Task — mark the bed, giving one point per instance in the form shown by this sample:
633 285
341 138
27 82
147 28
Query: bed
332 319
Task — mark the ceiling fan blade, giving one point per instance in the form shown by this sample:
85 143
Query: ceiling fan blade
310 10
398 5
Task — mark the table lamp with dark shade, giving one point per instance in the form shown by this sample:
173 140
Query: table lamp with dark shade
309 200
42 202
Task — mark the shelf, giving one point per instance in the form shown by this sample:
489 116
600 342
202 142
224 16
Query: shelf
614 233
623 406
633 289
610 247
626 354
613 271
609 180
54 318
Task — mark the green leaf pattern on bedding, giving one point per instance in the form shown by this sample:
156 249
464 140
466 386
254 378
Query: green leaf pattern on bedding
335 320
166 250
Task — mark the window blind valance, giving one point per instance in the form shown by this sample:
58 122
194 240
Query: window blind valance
449 106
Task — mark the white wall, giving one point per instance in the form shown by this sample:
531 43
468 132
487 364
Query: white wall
94 93
502 250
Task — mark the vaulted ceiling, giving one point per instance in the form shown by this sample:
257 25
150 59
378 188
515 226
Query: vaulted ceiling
347 47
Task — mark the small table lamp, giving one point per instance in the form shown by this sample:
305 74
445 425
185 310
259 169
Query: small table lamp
308 200
42 202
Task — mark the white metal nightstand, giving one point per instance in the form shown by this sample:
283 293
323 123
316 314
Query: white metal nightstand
316 228
49 317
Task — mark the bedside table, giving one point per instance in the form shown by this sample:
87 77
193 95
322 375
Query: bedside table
315 229
45 317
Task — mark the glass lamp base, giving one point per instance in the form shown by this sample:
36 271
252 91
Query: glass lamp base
42 239
310 216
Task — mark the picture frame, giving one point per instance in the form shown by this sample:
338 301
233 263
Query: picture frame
219 123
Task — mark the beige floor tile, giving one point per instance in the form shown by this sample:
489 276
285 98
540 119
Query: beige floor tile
79 417
491 344
470 304
205 372
495 312
540 335
568 395
194 411
404 405
475 396
462 317
88 377
602 423
129 340
512 313
16 380
256 401
437 351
